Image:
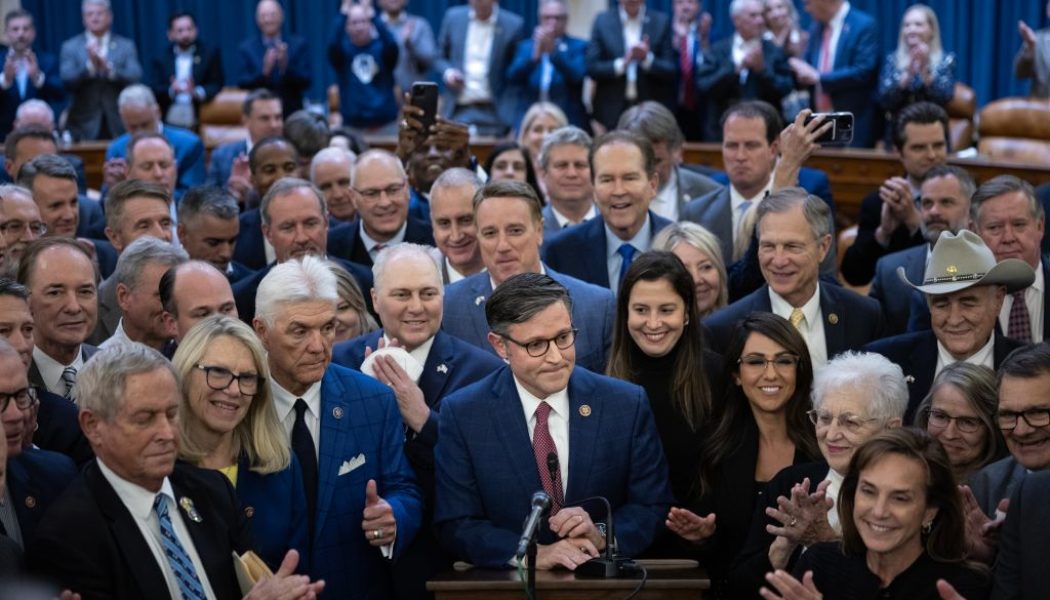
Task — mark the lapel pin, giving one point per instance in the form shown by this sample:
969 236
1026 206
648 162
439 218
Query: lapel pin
249 511
197 60
191 511
442 368
479 300
833 319
585 410
30 502
337 412
909 378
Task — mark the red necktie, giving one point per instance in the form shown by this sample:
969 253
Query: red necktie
685 63
823 99
543 446
1019 326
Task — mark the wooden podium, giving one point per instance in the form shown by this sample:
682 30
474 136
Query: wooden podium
668 580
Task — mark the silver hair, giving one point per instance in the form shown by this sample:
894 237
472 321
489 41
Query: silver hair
869 376
103 3
379 268
101 382
294 281
563 136
816 211
456 177
374 154
34 103
8 189
331 154
141 252
284 187
738 5
136 95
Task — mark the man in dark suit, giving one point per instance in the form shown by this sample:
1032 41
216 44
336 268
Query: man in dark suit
692 35
564 168
380 192
550 67
630 59
27 74
134 524
542 424
408 296
1020 571
889 218
478 92
964 287
742 67
623 169
842 63
270 160
344 428
677 186
275 62
794 236
187 75
262 116
208 229
946 193
510 234
95 66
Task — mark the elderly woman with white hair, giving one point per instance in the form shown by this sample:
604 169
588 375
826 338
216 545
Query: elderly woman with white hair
855 396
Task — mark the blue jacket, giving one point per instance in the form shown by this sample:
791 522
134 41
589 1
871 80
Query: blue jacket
487 470
51 92
580 251
35 479
568 69
291 84
275 504
344 241
895 297
371 103
189 155
222 162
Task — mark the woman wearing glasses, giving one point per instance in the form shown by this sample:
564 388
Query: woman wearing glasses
960 412
228 423
855 396
761 429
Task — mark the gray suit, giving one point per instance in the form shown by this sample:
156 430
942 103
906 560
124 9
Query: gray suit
1036 65
108 311
995 482
714 211
413 65
692 185
93 109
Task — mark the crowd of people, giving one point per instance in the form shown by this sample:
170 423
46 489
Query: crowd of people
354 367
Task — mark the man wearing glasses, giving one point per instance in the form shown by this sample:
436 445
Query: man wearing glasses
542 424
21 224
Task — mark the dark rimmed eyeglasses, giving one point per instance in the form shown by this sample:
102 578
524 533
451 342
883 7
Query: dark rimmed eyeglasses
538 348
220 378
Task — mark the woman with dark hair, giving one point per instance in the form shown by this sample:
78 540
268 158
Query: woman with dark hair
903 529
762 428
658 345
510 160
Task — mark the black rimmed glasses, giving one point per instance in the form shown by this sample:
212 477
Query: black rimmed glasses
780 362
219 378
538 348
23 399
1035 417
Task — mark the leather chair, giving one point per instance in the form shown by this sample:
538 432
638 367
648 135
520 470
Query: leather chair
220 119
961 110
1015 129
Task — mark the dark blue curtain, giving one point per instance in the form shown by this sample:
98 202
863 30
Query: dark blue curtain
982 33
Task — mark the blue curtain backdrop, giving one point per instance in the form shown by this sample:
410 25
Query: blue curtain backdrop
982 33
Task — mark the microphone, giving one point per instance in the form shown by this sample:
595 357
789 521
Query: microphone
552 470
541 504
609 564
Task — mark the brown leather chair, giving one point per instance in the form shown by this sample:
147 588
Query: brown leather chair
220 119
1015 129
961 110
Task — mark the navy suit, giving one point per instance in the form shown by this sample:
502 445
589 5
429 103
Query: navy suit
222 162
1024 543
106 255
288 86
916 353
244 290
250 250
580 251
593 312
566 82
206 73
58 429
36 478
359 418
189 155
852 80
51 92
487 470
896 297
237 272
92 223
345 240
850 320
275 505
858 262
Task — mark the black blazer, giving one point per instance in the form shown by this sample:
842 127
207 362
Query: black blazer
89 542
1020 571
580 251
344 241
58 429
858 262
207 73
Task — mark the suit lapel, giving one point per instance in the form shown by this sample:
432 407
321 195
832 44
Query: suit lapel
438 369
35 378
584 426
334 434
923 361
481 289
834 328
595 261
508 419
722 220
201 532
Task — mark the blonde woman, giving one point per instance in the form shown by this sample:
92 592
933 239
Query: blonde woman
541 119
701 253
351 314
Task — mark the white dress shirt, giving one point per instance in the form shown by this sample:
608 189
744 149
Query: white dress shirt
51 370
370 244
476 56
737 202
139 502
1033 299
564 221
833 493
665 203
632 35
284 403
641 242
557 424
985 356
119 336
811 328
453 274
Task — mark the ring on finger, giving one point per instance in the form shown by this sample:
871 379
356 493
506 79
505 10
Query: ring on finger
377 533
793 523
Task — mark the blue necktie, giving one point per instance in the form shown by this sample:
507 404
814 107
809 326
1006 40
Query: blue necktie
627 251
185 574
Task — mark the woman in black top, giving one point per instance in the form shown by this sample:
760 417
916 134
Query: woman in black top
902 530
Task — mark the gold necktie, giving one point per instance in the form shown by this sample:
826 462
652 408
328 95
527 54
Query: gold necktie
797 317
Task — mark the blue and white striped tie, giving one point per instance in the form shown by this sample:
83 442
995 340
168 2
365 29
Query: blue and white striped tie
181 564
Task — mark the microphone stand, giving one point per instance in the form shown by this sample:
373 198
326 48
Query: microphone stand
530 568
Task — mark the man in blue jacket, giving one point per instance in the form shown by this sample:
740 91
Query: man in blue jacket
364 53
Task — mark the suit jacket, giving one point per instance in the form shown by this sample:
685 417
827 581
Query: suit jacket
92 222
345 240
717 79
916 353
90 542
93 108
593 312
1035 65
895 296
487 470
692 185
996 481
858 262
275 505
851 83
189 155
244 290
659 82
850 320
812 180
550 222
250 250
451 43
108 312
1020 568
58 429
714 211
237 272
51 92
36 379
222 162
359 418
580 251
566 81
36 478
207 74
291 84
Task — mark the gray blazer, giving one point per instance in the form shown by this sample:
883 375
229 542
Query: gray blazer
108 311
93 107
1036 65
692 185
995 482
413 65
714 211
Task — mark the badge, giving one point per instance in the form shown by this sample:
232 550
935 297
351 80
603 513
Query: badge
249 511
479 300
337 412
30 502
585 410
364 67
833 319
191 511
442 368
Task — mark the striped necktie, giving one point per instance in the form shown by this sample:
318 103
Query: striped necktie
69 377
185 574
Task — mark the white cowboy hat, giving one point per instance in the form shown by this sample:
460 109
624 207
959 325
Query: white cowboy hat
962 260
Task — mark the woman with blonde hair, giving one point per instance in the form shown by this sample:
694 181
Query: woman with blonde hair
351 314
701 253
541 119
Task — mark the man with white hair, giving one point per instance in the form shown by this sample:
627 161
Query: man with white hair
331 170
408 296
455 228
34 112
140 113
95 66
344 428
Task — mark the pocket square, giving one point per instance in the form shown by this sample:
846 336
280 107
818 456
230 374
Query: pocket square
350 465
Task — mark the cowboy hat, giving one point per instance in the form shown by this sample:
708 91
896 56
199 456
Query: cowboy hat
962 260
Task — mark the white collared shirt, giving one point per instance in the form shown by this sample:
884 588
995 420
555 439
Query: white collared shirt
476 56
665 203
119 336
740 49
985 356
564 221
420 353
632 35
641 242
557 423
737 200
139 502
833 492
370 244
453 274
284 403
1033 299
542 271
812 328
51 370
836 23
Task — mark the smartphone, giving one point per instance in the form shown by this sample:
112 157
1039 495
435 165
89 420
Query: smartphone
425 95
841 132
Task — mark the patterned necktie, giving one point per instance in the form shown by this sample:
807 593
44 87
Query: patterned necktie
543 446
626 251
797 317
303 447
823 103
185 574
69 377
1020 325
